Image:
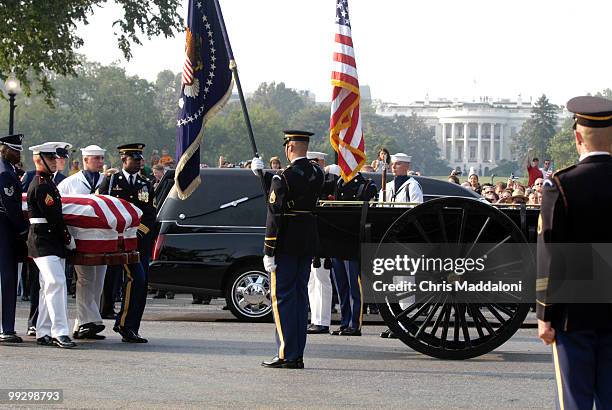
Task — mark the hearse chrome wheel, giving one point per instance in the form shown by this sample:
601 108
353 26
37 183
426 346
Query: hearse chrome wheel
248 295
442 327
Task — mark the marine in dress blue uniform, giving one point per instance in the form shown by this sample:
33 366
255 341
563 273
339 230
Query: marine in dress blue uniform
347 273
130 186
290 243
13 231
576 209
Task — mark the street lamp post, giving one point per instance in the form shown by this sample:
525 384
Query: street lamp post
12 87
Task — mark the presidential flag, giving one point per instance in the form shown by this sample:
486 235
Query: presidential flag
206 86
345 125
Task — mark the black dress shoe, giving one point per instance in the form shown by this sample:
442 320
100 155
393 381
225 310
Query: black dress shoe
388 334
31 331
338 331
63 342
317 329
129 336
350 332
109 315
10 338
45 341
278 363
89 331
300 362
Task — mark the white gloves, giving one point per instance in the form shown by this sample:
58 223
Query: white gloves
333 169
72 245
269 263
257 165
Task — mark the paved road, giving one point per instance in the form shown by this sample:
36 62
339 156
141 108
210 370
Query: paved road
198 357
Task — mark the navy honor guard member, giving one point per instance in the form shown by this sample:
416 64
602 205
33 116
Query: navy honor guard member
13 231
290 243
347 276
48 240
90 279
130 186
576 209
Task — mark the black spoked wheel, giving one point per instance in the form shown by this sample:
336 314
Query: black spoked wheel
442 327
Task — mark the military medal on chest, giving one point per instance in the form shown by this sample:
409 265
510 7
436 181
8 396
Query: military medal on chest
143 194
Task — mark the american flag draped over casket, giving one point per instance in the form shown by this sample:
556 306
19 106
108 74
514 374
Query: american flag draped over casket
99 223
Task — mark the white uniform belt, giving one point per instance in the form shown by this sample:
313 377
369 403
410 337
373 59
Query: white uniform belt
38 220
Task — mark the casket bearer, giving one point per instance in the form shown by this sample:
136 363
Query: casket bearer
90 279
13 230
48 240
127 184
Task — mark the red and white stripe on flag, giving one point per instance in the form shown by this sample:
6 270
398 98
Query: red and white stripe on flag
100 223
346 135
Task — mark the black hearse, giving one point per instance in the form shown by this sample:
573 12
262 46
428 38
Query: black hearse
212 242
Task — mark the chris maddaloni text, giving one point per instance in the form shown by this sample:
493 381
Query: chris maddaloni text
456 286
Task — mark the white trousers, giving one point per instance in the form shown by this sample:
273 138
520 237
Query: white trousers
89 287
53 299
320 295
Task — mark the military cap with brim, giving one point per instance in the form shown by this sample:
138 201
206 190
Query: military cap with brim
592 112
132 150
48 149
13 141
62 148
401 157
316 155
294 135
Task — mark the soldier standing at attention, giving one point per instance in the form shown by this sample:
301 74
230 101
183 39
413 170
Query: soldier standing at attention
290 244
576 209
13 230
47 242
130 186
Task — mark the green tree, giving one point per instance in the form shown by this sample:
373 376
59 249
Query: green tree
286 101
537 132
168 86
39 36
563 147
505 168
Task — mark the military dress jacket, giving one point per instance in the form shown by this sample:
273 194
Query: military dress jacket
139 194
45 202
357 189
575 209
13 224
290 224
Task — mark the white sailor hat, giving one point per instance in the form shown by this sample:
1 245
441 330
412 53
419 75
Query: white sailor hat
92 150
401 157
48 149
316 155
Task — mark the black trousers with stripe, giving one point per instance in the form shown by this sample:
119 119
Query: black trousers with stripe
134 297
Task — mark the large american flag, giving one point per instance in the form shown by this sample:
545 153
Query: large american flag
345 125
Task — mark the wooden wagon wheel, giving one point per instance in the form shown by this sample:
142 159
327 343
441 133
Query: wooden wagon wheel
444 328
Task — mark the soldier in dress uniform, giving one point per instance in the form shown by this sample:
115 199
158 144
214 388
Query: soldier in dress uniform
13 231
290 243
347 276
48 240
90 279
129 185
576 209
33 279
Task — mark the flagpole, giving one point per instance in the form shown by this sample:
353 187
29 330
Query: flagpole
234 69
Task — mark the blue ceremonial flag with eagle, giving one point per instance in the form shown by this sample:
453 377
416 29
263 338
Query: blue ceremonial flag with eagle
205 87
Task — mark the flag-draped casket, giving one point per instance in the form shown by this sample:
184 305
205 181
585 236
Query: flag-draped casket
99 223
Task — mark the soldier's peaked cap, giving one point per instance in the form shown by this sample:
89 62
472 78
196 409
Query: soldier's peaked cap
13 141
132 150
48 149
294 135
62 148
592 112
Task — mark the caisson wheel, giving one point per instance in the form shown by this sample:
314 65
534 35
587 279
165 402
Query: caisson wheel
442 327
247 294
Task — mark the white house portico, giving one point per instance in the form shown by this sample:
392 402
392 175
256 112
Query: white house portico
470 134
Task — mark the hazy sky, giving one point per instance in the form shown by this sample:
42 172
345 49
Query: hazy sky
405 49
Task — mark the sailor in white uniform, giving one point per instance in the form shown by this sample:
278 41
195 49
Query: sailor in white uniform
404 189
90 279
